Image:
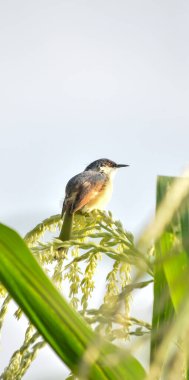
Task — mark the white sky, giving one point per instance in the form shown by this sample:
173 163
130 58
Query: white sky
81 80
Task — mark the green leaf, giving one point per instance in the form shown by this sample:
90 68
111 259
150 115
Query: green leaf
175 246
63 328
163 310
171 284
176 268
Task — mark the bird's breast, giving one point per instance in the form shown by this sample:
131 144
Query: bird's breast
101 198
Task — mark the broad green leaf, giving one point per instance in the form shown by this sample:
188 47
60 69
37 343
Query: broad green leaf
171 284
175 246
64 329
176 268
163 310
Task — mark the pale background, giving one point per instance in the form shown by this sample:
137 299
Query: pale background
81 80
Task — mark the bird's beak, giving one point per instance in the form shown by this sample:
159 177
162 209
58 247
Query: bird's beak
121 166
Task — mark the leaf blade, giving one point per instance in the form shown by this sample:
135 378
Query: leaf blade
61 326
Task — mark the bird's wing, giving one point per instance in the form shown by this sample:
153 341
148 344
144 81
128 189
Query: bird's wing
83 188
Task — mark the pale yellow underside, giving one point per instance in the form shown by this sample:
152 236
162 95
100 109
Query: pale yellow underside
101 199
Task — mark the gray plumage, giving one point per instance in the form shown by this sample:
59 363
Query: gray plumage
79 186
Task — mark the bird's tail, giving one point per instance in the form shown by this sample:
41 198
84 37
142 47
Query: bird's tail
66 231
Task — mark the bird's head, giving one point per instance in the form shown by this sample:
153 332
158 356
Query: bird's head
105 165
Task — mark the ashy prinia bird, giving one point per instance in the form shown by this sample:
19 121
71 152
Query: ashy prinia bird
86 191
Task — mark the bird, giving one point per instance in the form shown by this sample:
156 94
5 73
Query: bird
86 191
